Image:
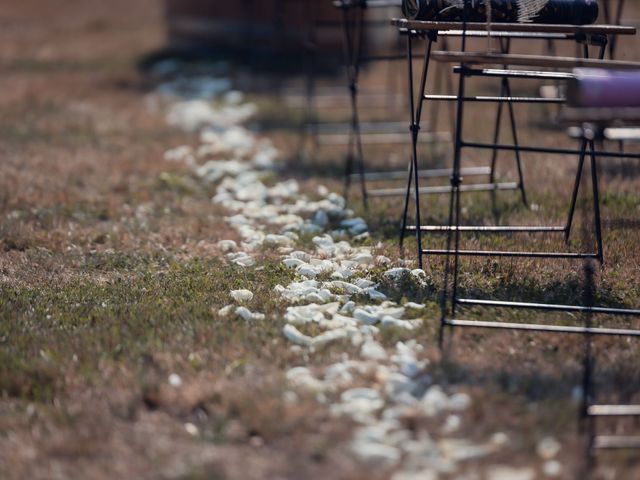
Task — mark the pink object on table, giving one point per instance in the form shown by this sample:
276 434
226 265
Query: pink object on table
604 88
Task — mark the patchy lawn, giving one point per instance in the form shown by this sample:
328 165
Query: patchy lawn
114 358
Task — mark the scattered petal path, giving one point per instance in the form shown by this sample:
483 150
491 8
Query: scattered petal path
379 390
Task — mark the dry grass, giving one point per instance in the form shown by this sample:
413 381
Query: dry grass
110 280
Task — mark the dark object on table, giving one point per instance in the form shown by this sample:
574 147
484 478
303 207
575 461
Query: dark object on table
250 26
573 12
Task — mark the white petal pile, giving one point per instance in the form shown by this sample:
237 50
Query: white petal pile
242 259
332 294
247 315
227 246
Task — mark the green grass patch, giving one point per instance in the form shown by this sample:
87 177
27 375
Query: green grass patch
125 307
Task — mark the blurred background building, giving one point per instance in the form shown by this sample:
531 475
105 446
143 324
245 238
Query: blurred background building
255 28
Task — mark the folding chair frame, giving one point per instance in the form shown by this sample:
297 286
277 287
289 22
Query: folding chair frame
591 412
430 31
352 31
452 252
613 15
453 239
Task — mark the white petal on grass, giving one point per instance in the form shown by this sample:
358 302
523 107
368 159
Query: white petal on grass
178 154
355 226
174 380
376 455
304 256
226 311
292 262
434 401
321 218
391 322
364 283
510 473
372 350
548 448
295 336
383 260
552 468
302 379
310 228
191 429
273 240
359 401
300 315
338 375
419 276
451 424
241 296
247 315
459 402
227 246
363 258
331 336
322 191
341 286
396 274
306 270
397 385
338 321
376 295
414 306
348 307
242 259
428 474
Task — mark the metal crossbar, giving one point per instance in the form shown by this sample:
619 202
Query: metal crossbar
548 307
545 150
431 173
496 72
614 410
610 442
426 27
488 229
495 99
440 189
536 327
531 60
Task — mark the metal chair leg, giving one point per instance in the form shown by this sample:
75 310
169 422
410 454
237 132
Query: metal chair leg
514 133
415 109
596 202
574 194
352 50
407 199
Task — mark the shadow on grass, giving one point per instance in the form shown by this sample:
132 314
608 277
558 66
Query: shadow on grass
530 289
